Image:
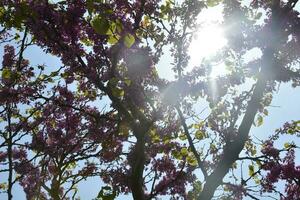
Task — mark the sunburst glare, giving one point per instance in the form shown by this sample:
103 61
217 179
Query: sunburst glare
206 43
218 70
208 40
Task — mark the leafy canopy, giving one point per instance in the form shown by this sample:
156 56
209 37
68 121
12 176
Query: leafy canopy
106 112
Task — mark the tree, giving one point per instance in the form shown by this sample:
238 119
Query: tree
106 112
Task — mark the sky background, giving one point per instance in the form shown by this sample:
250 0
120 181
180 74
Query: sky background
285 105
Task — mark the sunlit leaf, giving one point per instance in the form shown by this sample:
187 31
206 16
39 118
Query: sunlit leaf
199 135
176 155
71 165
129 40
100 25
182 136
251 170
6 73
184 151
260 120
191 160
112 39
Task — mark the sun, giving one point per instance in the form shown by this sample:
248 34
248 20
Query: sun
208 40
206 43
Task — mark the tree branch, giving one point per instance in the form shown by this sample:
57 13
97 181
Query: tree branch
233 149
190 141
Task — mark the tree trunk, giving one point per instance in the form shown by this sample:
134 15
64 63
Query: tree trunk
137 166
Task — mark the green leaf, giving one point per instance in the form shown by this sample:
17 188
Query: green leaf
182 136
3 186
212 147
234 165
87 42
260 120
54 74
90 6
155 139
212 3
251 170
196 190
2 12
112 28
266 112
191 160
184 151
113 82
119 26
100 25
129 40
258 16
17 36
6 73
290 131
253 151
199 135
37 114
71 165
123 129
258 163
117 92
166 140
127 82
177 155
112 39
107 193
287 145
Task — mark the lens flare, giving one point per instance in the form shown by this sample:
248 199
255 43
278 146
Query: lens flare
207 42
